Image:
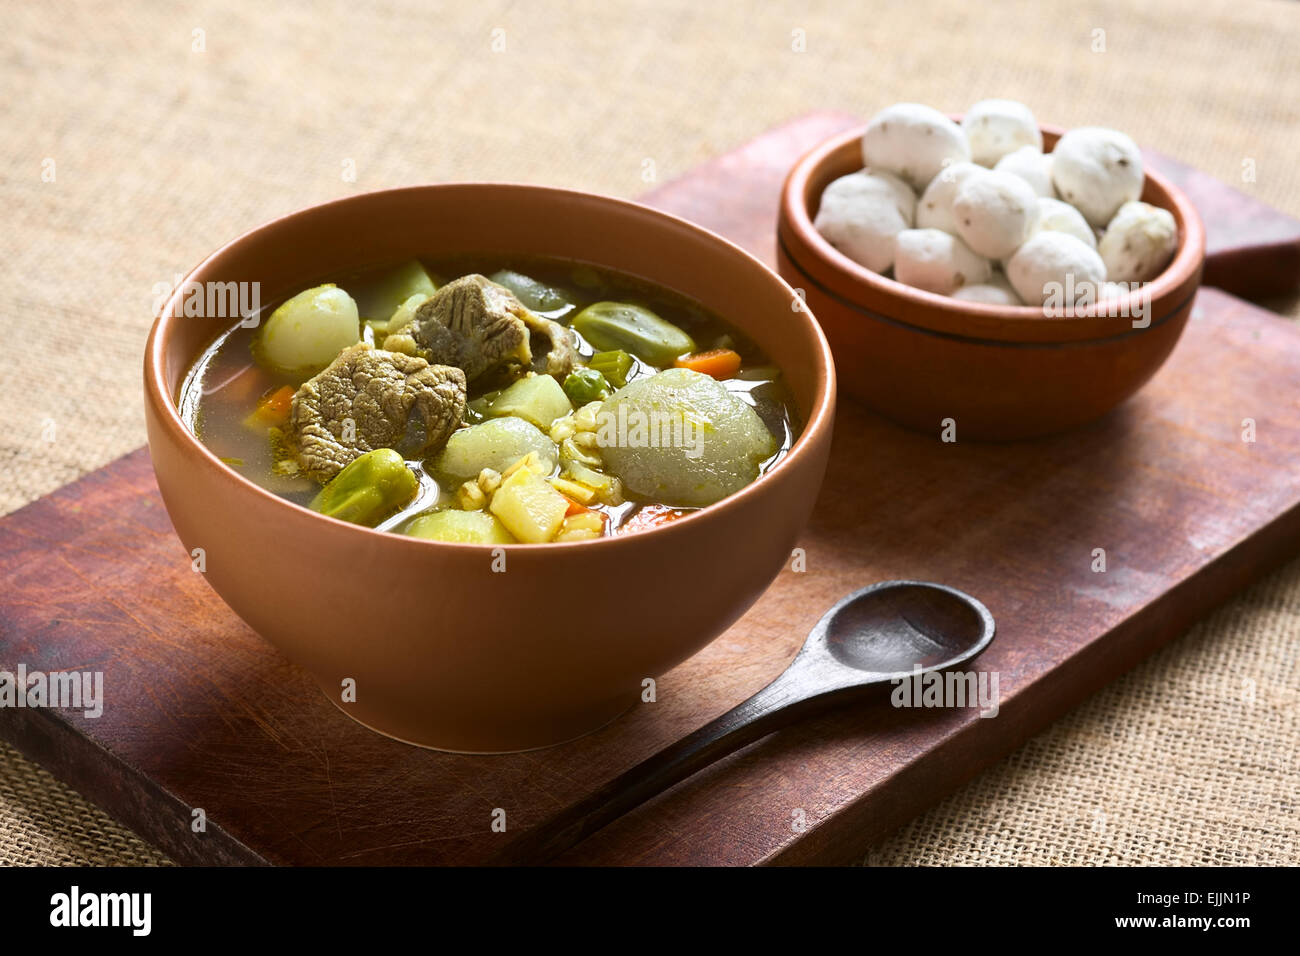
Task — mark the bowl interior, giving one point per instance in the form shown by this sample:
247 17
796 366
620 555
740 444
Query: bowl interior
856 284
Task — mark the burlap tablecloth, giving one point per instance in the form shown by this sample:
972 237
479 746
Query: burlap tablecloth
137 137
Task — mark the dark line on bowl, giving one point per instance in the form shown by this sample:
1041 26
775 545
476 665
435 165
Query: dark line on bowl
999 343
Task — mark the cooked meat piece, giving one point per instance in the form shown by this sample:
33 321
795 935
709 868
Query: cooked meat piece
472 323
559 355
369 398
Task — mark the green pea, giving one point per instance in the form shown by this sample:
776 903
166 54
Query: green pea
614 365
621 325
585 385
369 489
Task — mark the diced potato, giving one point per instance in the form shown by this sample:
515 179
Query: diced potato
538 399
496 444
465 527
587 521
529 507
582 527
387 295
309 330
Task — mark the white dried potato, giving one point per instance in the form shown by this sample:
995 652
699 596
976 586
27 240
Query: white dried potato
862 212
937 261
934 210
1033 166
994 212
1055 265
1097 170
1139 242
1058 216
996 290
914 142
995 128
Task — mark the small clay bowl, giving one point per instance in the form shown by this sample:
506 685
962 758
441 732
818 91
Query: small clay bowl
447 649
997 372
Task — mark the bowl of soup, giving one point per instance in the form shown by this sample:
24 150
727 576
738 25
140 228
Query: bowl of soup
484 459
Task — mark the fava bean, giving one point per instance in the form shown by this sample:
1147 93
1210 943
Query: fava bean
621 325
368 489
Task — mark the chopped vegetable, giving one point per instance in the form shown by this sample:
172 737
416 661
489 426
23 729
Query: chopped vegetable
470 496
462 527
614 365
496 444
272 410
369 489
308 331
571 451
530 462
529 507
607 488
718 363
633 328
578 495
682 439
651 516
538 399
384 297
582 527
586 385
538 296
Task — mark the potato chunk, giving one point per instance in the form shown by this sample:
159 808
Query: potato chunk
529 507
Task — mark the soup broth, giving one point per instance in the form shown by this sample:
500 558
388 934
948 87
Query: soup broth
605 341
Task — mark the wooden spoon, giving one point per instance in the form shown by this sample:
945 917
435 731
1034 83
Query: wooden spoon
871 637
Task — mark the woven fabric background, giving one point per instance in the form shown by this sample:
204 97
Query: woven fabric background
168 128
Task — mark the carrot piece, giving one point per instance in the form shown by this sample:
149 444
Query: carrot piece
272 410
651 516
575 507
720 363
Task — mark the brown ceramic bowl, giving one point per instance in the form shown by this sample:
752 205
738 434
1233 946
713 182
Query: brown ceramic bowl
446 652
1000 372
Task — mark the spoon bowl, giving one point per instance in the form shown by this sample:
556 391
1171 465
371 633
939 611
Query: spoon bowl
890 629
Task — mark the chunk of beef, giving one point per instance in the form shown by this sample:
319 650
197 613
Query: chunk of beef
471 323
369 398
558 356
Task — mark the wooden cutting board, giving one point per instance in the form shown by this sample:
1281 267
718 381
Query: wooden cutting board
201 714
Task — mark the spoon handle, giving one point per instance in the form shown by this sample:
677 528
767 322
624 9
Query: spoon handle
779 703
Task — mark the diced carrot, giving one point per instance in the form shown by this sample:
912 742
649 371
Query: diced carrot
272 410
575 507
651 516
720 363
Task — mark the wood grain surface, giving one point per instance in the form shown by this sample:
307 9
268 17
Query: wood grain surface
200 713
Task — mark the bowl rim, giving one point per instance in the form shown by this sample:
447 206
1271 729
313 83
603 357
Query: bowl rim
794 216
158 396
